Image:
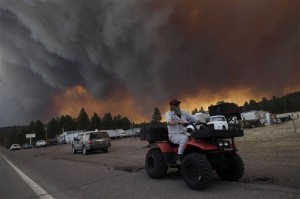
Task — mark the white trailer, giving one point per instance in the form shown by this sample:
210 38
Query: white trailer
253 118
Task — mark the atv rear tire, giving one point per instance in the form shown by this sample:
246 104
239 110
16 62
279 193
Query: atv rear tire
155 164
234 170
196 171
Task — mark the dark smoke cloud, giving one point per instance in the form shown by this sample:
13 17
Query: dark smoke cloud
154 50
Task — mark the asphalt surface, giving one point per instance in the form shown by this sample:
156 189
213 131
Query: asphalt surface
11 185
120 173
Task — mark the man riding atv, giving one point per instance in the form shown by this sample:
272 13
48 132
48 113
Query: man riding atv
177 119
202 152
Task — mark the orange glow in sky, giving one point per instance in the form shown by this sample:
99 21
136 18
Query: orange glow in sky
72 100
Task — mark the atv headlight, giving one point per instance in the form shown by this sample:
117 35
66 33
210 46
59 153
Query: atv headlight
223 143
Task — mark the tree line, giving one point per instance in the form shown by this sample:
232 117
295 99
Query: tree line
284 104
276 105
56 126
16 134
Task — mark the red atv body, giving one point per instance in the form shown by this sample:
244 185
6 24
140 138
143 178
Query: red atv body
206 150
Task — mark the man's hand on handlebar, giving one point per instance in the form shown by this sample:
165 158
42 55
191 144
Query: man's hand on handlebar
183 122
200 122
186 123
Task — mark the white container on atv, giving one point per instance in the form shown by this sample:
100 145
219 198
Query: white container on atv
219 122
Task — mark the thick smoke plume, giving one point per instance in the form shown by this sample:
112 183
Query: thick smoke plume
134 55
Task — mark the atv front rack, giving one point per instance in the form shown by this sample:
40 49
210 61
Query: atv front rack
220 134
152 134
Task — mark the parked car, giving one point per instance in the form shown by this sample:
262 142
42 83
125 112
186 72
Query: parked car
218 122
27 146
40 143
52 142
123 135
91 141
15 147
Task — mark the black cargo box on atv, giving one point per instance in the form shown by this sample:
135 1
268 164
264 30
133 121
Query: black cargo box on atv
152 134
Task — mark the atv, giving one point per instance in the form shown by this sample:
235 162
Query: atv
206 151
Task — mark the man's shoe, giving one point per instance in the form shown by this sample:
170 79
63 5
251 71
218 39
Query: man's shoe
179 159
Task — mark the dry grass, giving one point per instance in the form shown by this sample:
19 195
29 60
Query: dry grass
272 153
280 140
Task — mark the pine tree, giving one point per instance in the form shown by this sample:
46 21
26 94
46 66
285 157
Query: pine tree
195 111
39 130
53 128
201 109
83 120
31 127
95 122
117 122
107 121
253 105
67 123
156 117
125 123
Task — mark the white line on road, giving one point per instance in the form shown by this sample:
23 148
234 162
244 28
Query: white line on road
35 187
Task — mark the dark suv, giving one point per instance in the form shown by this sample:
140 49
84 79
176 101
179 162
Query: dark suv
91 141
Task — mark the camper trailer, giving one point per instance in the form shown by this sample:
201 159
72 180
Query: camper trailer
253 119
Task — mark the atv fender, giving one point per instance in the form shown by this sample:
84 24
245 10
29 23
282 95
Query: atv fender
202 145
166 147
168 152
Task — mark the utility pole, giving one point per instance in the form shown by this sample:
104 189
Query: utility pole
46 134
294 126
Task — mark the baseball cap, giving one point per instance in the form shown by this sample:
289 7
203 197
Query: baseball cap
174 102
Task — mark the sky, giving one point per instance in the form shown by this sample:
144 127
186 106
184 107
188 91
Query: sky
129 56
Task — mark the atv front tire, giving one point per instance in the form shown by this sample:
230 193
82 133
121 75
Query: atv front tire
155 164
196 171
232 168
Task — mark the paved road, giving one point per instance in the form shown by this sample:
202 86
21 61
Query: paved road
119 173
11 184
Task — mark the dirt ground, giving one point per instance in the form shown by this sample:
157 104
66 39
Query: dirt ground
270 154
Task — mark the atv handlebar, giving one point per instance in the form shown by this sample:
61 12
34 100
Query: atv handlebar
203 126
186 123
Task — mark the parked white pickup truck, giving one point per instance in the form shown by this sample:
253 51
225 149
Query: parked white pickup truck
218 122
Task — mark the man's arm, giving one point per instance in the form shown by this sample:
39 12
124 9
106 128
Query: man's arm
190 118
171 122
169 119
